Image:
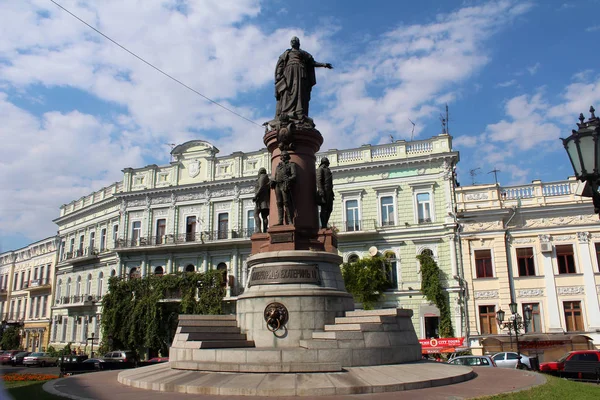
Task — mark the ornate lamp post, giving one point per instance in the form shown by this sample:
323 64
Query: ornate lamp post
516 323
583 148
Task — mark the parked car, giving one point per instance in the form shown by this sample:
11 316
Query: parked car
473 361
577 355
70 358
120 356
18 358
509 359
41 359
96 361
158 359
5 358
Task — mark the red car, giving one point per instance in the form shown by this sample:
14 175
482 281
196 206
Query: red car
577 355
5 358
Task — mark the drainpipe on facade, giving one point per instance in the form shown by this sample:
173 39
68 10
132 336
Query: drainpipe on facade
511 286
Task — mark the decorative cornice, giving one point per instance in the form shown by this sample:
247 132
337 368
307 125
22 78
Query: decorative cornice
583 237
523 240
530 293
486 294
570 290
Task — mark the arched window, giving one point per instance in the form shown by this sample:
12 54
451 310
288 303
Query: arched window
391 269
68 291
352 258
78 286
134 273
223 268
427 251
59 291
100 283
88 285
190 268
158 270
113 272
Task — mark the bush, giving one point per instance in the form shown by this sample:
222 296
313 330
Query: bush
366 280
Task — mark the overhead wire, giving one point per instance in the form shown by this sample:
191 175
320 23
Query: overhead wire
152 65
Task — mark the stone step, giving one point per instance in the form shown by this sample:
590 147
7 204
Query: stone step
207 329
219 336
366 319
208 322
198 317
354 327
392 312
258 367
223 344
333 335
333 344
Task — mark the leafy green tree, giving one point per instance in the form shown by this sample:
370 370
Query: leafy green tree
432 289
135 315
11 340
366 280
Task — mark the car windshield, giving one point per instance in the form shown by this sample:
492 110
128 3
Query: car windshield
563 358
24 353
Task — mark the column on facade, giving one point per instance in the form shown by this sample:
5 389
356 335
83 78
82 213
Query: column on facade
170 264
591 297
143 267
553 311
453 259
205 262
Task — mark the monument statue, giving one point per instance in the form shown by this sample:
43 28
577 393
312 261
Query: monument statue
325 191
294 79
262 194
283 180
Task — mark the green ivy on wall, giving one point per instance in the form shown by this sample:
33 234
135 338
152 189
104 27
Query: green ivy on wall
366 280
137 314
432 289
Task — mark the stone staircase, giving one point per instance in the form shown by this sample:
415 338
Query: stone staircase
209 332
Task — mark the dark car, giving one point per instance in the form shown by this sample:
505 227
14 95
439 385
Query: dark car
5 358
18 358
97 362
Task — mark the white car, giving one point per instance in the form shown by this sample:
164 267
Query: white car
41 359
509 359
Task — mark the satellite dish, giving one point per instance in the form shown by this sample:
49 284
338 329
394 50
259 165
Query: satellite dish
373 251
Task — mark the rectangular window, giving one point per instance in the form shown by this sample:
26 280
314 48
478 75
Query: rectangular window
387 211
573 318
115 234
102 239
22 280
483 263
352 217
161 230
223 225
487 320
136 232
44 305
535 325
190 229
597 245
81 242
65 324
250 222
61 254
72 245
15 283
565 258
424 207
91 248
525 261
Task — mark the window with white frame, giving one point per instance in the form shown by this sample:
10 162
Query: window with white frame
250 222
68 291
136 231
92 242
102 239
392 269
88 285
386 204
352 216
423 207
78 286
100 284
115 234
58 291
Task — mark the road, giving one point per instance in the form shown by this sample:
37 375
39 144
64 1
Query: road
21 369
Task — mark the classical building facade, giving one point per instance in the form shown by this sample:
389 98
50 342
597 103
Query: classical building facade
26 279
197 214
539 246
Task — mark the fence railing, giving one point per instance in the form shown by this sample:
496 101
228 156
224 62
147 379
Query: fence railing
81 299
355 225
200 237
36 283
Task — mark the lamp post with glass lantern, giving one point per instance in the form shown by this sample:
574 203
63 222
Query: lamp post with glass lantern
515 324
583 148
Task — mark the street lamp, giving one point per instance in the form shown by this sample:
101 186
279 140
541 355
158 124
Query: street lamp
583 148
515 324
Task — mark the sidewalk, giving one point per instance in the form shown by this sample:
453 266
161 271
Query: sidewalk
489 381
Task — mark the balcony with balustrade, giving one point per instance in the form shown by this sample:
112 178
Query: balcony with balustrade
207 238
80 255
38 285
536 194
77 301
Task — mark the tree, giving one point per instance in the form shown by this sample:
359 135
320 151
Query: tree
432 289
10 338
366 279
135 315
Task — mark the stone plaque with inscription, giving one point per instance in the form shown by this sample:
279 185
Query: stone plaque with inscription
273 275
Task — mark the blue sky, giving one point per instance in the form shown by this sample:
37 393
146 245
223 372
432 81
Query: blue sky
76 109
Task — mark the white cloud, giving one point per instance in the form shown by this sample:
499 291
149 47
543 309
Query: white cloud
512 82
534 68
593 28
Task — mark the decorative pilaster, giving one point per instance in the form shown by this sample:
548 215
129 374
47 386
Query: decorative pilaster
552 303
589 280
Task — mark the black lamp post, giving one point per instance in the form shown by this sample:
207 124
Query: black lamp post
515 324
583 148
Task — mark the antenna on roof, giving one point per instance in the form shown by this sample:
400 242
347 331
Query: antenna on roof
473 172
413 130
495 172
172 146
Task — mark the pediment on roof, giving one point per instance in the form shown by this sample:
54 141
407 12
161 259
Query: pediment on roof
194 147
